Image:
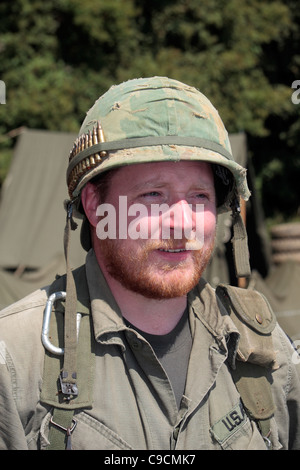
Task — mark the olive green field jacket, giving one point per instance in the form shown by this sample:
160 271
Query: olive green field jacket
133 404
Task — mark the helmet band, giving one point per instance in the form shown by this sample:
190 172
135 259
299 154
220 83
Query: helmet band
101 149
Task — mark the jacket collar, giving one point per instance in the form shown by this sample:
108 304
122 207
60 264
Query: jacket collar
211 312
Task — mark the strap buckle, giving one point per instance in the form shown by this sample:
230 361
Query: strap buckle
68 431
69 389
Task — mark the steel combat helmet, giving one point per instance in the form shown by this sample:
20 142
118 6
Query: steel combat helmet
151 120
130 119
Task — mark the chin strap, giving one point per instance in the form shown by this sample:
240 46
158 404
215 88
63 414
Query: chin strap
68 375
240 243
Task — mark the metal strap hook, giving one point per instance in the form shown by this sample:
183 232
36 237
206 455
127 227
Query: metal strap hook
46 322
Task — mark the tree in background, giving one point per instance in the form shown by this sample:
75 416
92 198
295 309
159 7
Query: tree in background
58 56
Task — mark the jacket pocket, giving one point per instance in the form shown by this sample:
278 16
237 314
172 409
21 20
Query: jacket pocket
91 434
247 437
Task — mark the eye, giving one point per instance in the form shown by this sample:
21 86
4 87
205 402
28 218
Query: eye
202 196
151 194
150 197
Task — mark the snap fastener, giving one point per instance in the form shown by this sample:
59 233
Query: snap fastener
136 344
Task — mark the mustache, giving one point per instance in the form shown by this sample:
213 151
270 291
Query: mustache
173 244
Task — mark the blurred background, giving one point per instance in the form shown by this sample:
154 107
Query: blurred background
58 56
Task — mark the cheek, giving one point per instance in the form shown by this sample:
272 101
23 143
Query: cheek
204 223
210 222
133 222
210 219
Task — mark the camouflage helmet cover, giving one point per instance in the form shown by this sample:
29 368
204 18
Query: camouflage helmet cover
151 120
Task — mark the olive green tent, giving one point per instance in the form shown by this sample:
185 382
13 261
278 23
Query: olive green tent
32 215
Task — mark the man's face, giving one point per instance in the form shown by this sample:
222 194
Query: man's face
170 257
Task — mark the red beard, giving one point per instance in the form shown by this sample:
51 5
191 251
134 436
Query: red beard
155 279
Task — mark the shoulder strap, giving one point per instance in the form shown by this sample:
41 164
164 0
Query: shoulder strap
51 393
255 321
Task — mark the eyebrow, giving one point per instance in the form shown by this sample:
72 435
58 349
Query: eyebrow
148 183
153 183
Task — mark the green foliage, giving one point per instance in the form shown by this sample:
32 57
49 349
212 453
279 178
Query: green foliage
58 56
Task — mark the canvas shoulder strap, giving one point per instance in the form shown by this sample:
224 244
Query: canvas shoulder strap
255 320
62 421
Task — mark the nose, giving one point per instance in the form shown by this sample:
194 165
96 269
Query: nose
179 220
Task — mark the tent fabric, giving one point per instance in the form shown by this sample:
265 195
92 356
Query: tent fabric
238 144
32 216
281 288
15 285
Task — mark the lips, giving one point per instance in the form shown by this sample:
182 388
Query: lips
184 247
173 251
173 255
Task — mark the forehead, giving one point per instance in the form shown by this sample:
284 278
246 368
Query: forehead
164 173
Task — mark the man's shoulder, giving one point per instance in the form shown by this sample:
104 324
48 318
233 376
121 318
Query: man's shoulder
33 301
21 325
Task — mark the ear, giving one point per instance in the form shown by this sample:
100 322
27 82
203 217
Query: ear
90 201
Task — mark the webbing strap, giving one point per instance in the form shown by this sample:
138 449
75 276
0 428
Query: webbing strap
63 410
51 392
60 429
240 246
69 371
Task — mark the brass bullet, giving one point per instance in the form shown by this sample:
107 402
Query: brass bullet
101 138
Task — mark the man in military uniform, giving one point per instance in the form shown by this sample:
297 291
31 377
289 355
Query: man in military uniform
134 350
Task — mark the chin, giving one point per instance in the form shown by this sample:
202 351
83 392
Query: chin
168 285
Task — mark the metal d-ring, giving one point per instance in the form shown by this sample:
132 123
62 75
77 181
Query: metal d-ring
46 322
